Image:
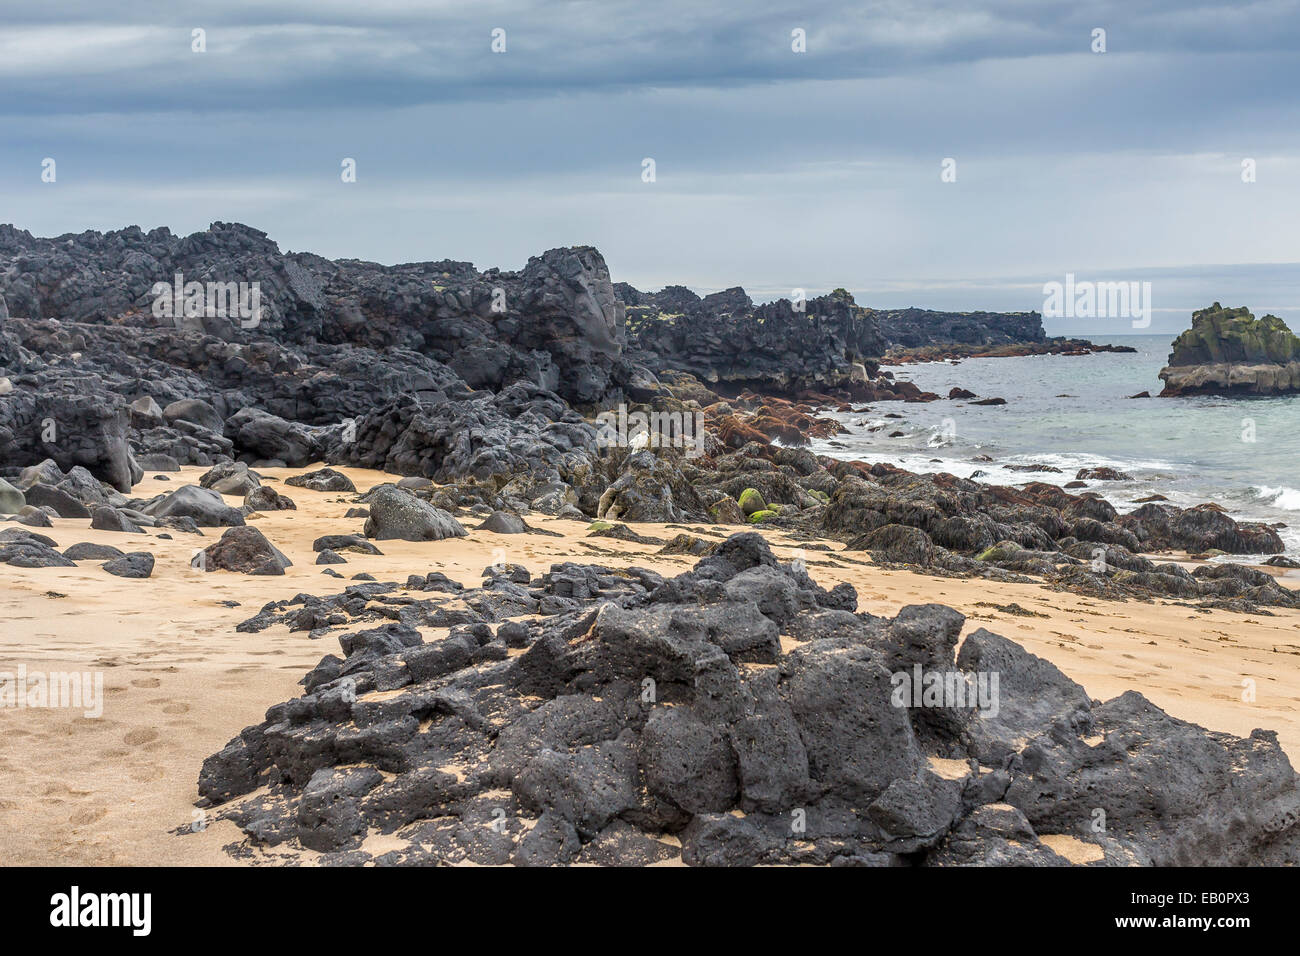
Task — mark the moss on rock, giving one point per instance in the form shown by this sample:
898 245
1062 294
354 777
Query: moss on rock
1002 551
751 501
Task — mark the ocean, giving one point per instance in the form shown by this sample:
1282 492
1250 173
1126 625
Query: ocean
1074 412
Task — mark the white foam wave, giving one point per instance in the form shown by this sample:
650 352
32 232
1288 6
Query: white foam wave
1282 497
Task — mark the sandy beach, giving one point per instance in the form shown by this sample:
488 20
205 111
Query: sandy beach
179 680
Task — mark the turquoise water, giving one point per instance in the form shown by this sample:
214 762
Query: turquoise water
1073 412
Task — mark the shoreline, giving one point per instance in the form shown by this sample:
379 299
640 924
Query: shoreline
950 437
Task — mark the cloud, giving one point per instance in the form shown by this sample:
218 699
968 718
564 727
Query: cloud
322 54
776 170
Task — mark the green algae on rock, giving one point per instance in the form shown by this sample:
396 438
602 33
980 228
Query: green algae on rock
1230 352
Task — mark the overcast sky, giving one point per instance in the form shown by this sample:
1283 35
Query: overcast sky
774 169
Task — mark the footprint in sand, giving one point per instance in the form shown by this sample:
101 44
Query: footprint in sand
89 815
176 707
140 736
146 682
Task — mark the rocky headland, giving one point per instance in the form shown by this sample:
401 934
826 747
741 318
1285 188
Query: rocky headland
915 328
1230 352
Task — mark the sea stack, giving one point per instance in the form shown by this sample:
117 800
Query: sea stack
1230 352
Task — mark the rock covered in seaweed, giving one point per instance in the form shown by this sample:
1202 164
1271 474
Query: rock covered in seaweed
1230 352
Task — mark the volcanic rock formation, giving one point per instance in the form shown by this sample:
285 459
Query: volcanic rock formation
738 708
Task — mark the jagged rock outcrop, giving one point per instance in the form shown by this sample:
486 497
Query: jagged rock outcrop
522 433
490 361
726 341
556 322
1230 352
72 421
739 708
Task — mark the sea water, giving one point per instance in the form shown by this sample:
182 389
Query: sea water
1075 412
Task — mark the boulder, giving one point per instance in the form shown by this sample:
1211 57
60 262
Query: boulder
395 513
42 495
651 488
896 544
88 551
11 499
259 434
266 498
106 518
323 479
503 522
203 505
135 564
230 478
195 411
244 550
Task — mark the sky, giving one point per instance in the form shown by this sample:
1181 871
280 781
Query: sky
773 169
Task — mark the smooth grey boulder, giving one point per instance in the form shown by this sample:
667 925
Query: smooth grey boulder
344 542
158 461
195 411
203 505
33 517
89 551
29 549
266 498
42 495
46 471
396 514
145 407
503 522
135 564
108 518
86 488
11 499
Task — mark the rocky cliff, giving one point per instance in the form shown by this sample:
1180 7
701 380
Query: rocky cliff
732 344
1230 352
917 328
